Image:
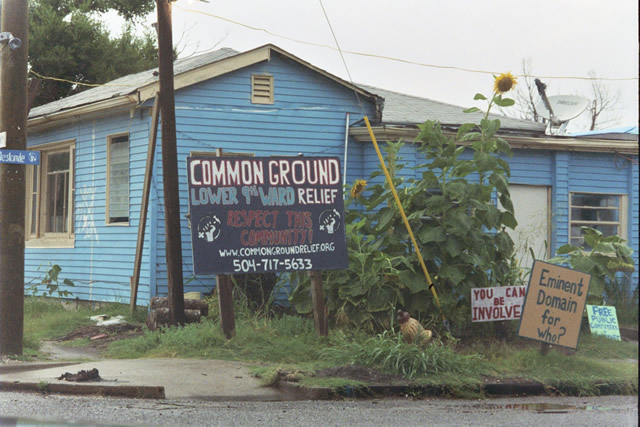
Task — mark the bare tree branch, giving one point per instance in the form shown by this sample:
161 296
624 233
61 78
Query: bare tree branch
526 93
603 101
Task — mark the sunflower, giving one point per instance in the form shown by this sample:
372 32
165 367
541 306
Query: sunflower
358 187
504 83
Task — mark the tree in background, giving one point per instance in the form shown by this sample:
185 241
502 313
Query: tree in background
526 94
603 100
68 42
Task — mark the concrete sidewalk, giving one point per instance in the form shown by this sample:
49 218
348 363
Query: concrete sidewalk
145 378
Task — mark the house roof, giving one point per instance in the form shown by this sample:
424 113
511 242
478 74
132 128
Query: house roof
400 112
128 85
135 89
402 109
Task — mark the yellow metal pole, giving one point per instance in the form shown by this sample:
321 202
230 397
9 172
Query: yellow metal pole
405 220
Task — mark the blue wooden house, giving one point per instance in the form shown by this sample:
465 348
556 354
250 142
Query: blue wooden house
84 199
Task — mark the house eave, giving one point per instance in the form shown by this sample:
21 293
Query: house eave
113 105
390 133
208 71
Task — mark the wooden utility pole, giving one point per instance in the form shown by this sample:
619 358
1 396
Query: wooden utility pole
13 121
170 165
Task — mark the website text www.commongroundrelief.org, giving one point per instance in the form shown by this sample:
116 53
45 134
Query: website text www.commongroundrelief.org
278 250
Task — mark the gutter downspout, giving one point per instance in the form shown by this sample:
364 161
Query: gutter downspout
346 145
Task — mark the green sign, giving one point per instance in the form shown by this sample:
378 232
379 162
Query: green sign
603 321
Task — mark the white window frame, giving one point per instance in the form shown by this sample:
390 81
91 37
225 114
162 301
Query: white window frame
262 89
621 223
36 233
108 219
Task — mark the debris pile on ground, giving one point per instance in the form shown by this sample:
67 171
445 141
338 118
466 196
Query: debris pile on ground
159 313
101 336
81 376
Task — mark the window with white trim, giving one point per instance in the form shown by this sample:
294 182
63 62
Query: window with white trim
603 212
261 89
50 194
117 208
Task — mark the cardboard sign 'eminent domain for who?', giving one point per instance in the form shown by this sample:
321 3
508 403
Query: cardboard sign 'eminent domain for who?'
554 304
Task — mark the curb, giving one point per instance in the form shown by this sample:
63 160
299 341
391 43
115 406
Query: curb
299 392
23 367
139 392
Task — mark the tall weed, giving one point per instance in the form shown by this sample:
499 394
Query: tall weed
391 353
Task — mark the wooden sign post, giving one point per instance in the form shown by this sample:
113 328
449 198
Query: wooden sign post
320 317
225 304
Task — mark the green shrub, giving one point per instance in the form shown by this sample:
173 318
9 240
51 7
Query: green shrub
459 228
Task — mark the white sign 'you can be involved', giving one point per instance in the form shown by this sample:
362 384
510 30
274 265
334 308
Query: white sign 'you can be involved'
500 303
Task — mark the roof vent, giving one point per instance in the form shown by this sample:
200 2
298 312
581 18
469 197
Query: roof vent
261 89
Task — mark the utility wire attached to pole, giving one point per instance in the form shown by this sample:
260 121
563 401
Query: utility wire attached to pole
13 124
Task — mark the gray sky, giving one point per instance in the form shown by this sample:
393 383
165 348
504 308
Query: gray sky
567 38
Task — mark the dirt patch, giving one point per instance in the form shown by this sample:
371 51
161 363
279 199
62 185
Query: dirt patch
101 336
359 373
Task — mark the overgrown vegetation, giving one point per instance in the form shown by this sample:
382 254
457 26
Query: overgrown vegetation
603 257
453 211
289 344
50 281
389 352
46 318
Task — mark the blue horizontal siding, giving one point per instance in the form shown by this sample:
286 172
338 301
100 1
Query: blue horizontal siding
308 116
101 261
531 167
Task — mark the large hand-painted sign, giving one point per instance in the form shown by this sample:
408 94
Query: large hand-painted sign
259 214
554 304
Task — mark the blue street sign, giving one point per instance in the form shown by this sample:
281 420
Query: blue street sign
20 157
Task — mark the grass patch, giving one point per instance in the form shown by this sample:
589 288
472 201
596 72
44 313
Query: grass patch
600 347
390 353
289 344
287 340
46 319
582 373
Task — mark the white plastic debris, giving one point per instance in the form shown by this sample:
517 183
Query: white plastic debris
106 320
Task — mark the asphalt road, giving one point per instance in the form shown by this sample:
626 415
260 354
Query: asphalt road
530 411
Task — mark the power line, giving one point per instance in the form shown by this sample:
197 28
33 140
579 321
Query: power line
341 55
57 79
389 58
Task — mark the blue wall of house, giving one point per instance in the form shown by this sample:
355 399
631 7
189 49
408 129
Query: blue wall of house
564 172
609 173
101 261
308 116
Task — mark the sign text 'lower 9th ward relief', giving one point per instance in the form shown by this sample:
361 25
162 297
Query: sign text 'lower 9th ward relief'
259 214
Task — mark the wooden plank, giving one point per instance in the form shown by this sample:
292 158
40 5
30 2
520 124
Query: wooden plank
225 305
135 279
320 317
